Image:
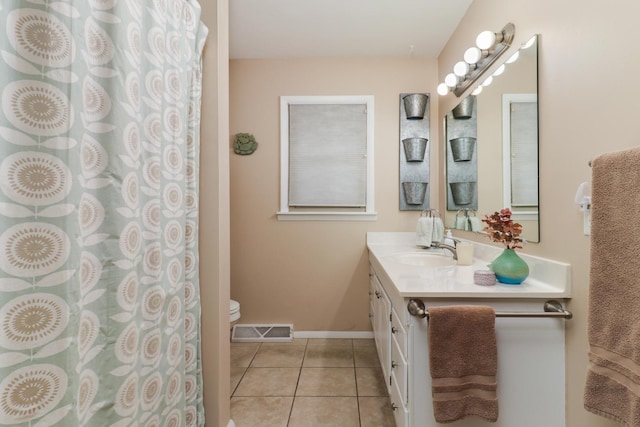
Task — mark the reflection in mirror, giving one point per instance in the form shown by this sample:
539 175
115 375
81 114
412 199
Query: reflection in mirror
500 167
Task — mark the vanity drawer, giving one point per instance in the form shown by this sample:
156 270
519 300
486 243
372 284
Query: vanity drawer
399 371
399 332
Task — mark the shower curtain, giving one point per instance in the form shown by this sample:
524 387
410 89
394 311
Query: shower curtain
99 149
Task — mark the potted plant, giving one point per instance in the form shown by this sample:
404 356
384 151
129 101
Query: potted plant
508 267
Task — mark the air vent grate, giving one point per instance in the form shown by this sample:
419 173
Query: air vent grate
262 333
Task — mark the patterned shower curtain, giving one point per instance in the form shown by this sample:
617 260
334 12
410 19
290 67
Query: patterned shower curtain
99 149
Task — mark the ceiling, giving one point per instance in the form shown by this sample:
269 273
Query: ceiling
342 28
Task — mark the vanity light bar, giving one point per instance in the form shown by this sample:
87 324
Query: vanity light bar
552 308
490 46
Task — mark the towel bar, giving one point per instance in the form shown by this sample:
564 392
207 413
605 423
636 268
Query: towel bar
552 308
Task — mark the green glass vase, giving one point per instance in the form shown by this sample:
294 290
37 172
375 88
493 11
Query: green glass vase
509 268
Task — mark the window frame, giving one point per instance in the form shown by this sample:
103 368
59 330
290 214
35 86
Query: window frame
333 214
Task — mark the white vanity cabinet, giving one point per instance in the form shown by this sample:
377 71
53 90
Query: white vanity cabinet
390 338
531 362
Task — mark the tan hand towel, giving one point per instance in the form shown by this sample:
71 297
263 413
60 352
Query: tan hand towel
612 387
464 361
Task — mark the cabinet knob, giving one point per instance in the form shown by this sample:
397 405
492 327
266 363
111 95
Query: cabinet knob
394 330
393 406
378 295
393 364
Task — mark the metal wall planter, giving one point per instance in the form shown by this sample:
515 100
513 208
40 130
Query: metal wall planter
414 192
462 155
464 110
414 149
413 145
415 105
462 192
462 148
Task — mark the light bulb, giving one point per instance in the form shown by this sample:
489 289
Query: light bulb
499 70
461 69
486 39
451 80
487 81
529 43
513 58
472 55
477 91
443 89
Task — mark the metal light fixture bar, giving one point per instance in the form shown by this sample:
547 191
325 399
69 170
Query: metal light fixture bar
494 52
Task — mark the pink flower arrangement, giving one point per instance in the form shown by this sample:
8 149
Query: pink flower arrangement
501 228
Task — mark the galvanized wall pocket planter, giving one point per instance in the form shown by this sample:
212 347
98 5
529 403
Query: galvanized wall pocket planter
414 151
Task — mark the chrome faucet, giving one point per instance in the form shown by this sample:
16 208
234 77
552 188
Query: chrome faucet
450 248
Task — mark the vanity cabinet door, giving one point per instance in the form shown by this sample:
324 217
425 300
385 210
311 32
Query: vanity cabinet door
372 299
400 411
531 368
382 327
399 332
399 371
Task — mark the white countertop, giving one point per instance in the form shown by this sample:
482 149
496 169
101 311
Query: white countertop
547 278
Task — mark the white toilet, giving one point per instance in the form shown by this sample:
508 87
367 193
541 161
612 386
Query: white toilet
234 312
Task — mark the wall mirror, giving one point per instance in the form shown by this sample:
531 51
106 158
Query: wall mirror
492 148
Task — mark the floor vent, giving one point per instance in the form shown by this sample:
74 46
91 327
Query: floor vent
262 333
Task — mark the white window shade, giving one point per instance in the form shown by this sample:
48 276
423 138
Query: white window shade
524 154
327 155
520 154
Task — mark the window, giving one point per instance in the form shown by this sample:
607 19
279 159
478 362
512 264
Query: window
326 158
520 154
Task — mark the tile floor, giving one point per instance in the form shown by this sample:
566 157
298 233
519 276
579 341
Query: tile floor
308 383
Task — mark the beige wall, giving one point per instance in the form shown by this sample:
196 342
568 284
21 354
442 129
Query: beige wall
312 274
587 104
214 216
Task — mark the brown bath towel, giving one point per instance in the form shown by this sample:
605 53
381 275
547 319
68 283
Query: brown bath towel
463 357
612 387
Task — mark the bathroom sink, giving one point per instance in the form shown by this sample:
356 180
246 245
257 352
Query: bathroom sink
423 259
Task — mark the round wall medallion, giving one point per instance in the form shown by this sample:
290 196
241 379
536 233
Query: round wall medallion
244 144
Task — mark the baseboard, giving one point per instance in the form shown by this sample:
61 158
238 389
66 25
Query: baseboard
334 334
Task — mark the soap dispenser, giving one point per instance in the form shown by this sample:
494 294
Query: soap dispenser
448 239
